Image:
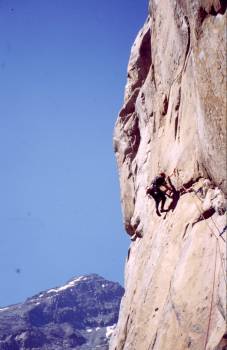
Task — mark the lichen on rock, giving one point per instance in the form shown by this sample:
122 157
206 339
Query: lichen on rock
174 120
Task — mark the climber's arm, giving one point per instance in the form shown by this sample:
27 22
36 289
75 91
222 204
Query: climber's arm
167 189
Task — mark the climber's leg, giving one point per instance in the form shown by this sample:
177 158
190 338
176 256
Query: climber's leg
163 200
157 201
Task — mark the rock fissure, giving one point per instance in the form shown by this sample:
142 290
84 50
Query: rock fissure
151 347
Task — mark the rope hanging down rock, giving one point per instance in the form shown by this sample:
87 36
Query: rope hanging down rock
212 297
215 259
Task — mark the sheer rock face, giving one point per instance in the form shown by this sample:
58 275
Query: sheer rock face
174 120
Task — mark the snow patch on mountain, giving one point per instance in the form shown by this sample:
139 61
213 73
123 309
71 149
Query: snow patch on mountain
66 286
4 308
109 330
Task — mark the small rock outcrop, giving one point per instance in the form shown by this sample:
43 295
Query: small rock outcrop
174 121
79 315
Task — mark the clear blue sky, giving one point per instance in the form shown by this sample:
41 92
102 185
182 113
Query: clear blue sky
62 75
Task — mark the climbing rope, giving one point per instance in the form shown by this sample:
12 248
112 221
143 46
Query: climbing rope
215 260
220 233
212 297
217 238
211 230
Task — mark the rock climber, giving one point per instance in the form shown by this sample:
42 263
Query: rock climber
159 190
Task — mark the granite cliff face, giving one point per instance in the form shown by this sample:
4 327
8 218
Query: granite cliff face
174 120
79 315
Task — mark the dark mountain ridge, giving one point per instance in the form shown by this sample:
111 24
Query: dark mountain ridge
79 315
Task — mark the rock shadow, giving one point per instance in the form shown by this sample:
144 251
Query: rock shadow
205 215
175 197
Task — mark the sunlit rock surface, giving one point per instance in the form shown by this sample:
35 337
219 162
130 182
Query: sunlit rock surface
79 315
174 120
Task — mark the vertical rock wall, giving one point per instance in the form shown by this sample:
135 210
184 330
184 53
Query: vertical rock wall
174 120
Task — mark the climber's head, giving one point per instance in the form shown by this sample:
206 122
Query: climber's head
162 174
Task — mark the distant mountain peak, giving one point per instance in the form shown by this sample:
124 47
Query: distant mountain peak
80 314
